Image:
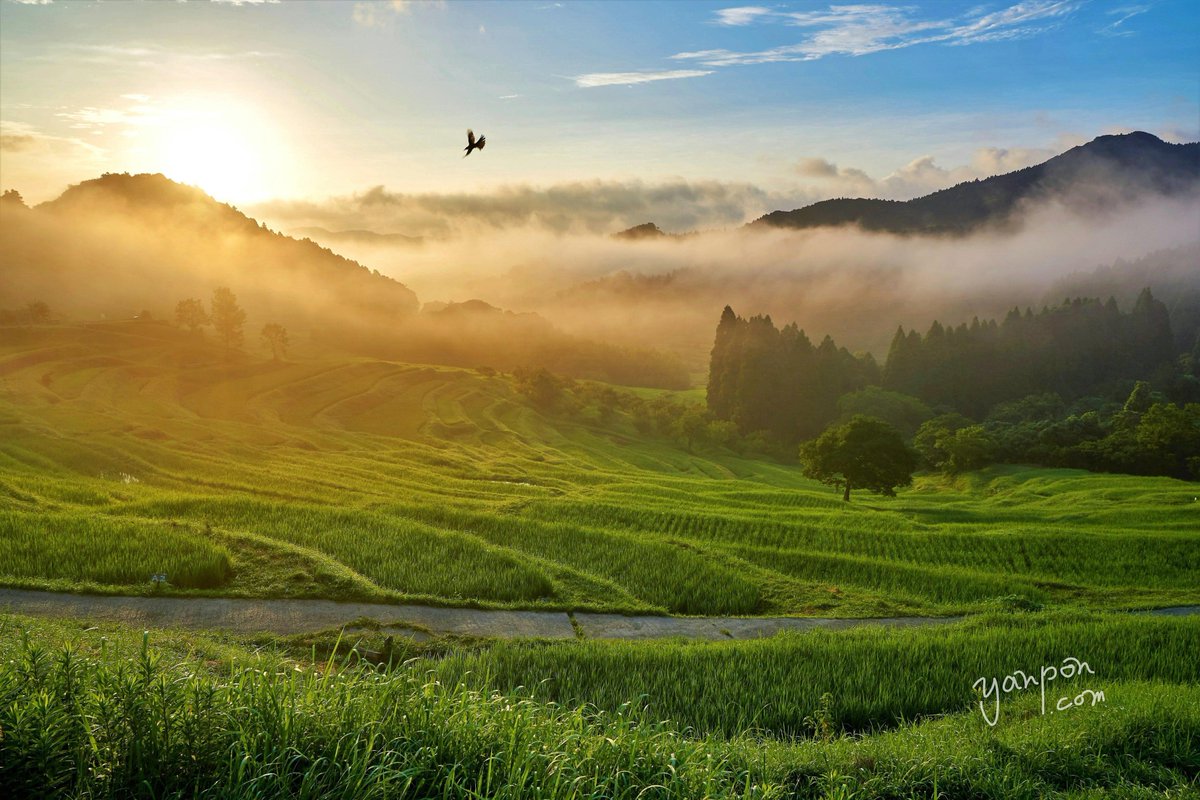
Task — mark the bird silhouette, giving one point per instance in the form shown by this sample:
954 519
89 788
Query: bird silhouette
473 143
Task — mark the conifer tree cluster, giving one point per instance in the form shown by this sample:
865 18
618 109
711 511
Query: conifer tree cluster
1078 348
765 379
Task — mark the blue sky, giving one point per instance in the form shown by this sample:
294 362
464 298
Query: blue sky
804 99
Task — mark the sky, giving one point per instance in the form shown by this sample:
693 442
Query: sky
788 102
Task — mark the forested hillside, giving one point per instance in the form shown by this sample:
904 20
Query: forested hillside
1080 384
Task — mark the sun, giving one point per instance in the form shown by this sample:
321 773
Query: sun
216 159
227 152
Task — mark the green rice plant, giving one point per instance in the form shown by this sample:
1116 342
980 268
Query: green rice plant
674 578
395 553
875 676
99 550
116 713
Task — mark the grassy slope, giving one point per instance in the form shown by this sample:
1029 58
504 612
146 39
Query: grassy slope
97 712
124 446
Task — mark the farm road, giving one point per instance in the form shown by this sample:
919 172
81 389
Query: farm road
300 616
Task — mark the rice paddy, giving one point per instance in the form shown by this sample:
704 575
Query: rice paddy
131 449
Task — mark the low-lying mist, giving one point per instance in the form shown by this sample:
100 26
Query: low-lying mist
668 292
120 244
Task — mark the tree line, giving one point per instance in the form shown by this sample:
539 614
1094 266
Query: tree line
1078 348
1081 384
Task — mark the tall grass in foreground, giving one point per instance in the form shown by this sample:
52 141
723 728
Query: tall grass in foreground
109 726
77 727
877 677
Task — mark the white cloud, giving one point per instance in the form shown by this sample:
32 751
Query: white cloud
380 13
584 206
19 137
364 14
627 78
32 2
139 114
919 177
858 30
143 54
742 15
1123 15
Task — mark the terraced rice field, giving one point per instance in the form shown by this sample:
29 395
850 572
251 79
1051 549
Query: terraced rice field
128 449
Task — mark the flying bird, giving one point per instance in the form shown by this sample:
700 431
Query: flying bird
473 143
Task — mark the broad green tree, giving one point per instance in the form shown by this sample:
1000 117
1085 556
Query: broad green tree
862 453
933 438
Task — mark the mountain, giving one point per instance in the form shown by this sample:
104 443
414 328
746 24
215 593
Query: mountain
647 230
121 243
1101 174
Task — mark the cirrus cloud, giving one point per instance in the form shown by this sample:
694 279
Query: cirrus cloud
629 78
854 30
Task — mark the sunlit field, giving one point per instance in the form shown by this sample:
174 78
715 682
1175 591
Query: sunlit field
170 715
131 449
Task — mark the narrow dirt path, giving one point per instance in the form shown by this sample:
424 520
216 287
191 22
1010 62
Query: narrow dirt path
300 616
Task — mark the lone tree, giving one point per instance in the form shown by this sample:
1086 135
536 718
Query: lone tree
544 389
863 453
275 335
39 312
190 314
227 317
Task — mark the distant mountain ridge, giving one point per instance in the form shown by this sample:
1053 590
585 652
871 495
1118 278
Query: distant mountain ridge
356 236
1093 176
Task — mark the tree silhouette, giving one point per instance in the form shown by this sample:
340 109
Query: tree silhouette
864 453
190 314
275 335
544 389
39 312
227 317
12 199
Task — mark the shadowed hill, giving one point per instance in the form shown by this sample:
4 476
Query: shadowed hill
647 230
150 240
1101 174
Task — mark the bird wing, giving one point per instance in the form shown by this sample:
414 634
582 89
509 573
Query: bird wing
482 141
470 137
